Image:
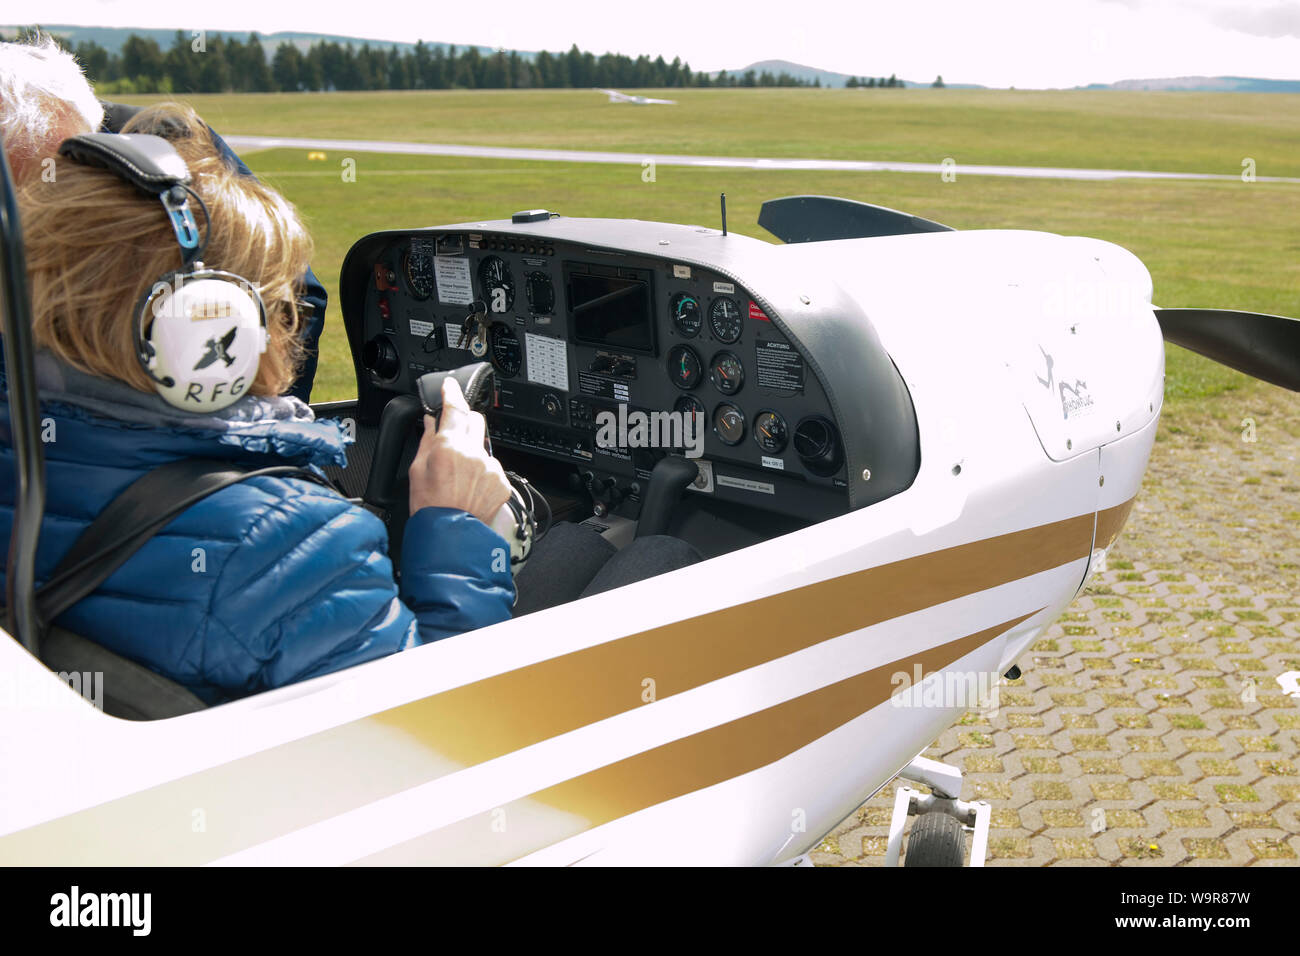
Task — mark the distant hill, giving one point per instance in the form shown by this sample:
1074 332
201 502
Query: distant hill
827 77
112 38
1211 84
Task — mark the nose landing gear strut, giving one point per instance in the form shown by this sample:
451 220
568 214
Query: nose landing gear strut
938 835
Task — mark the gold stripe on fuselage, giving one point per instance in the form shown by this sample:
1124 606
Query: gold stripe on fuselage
674 769
1110 521
256 798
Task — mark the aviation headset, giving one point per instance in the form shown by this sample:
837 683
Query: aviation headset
198 333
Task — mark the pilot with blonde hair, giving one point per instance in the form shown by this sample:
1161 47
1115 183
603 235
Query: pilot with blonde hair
294 580
45 98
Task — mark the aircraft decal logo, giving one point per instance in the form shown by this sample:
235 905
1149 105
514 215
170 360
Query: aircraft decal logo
1046 383
1079 399
217 350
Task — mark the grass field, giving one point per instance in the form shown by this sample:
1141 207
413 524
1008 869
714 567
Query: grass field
1210 244
1196 132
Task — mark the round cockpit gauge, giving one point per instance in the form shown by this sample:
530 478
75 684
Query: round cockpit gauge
770 432
726 373
725 320
507 353
541 293
690 405
417 267
729 423
497 283
686 314
684 367
695 419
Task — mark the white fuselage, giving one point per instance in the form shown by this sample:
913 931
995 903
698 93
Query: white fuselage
736 718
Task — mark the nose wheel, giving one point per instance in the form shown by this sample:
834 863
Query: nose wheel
937 839
938 836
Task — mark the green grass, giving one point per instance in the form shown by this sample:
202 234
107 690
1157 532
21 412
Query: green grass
1215 245
1210 244
1197 132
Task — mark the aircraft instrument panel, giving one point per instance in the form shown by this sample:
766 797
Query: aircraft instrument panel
601 356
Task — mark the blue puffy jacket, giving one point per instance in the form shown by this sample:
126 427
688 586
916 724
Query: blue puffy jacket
264 583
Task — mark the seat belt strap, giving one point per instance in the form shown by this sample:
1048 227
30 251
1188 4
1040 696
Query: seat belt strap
143 509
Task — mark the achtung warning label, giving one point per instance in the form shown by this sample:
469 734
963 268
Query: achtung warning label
779 366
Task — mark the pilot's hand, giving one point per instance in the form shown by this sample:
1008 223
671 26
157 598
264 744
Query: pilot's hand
452 469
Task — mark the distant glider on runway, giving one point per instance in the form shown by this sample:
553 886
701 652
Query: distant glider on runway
616 97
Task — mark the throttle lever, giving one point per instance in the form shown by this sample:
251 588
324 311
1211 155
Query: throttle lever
671 476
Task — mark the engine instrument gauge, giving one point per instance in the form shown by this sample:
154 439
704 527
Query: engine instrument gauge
541 293
729 423
690 405
686 314
695 419
725 320
726 373
507 354
417 267
497 283
770 432
684 367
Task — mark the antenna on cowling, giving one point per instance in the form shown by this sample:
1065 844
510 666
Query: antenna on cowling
724 214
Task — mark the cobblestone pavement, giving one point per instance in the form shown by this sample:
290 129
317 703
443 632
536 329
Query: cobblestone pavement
1148 727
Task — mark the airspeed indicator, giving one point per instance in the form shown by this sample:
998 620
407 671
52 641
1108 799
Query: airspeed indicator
725 320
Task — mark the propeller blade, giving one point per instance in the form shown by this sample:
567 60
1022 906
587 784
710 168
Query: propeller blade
1266 347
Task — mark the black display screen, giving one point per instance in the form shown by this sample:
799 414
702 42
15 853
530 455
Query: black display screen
611 311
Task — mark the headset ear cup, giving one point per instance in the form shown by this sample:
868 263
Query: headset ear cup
201 338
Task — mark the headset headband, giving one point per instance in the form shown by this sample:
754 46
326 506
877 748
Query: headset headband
152 165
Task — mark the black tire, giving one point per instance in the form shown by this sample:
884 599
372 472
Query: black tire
936 840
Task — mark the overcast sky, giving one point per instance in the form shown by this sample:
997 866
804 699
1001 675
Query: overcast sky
1024 43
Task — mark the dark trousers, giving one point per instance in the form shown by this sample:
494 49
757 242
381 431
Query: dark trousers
574 561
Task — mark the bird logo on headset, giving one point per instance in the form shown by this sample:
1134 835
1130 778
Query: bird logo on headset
199 333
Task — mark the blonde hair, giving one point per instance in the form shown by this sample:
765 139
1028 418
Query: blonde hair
95 245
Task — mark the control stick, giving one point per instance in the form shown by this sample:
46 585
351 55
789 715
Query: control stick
403 414
671 476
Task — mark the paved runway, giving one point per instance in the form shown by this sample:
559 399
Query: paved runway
727 162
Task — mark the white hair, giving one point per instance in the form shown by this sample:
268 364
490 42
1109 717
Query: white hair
44 98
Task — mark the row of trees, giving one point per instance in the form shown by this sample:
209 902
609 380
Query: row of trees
853 82
858 82
211 63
